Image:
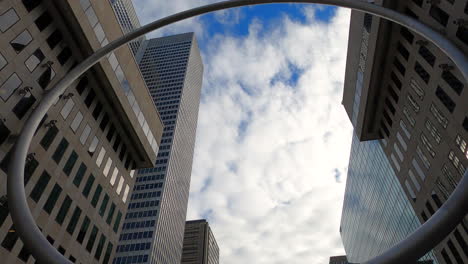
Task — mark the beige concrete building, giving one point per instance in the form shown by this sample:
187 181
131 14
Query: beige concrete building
82 160
402 90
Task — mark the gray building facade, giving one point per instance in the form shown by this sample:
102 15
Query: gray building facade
402 90
339 260
82 160
173 71
200 245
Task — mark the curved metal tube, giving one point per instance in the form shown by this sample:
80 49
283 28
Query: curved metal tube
411 249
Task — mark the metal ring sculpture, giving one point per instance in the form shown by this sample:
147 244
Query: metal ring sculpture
410 250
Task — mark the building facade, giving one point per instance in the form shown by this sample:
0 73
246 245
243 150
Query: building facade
402 90
128 20
339 260
173 71
80 169
200 245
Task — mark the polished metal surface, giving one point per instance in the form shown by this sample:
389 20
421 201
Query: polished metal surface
409 250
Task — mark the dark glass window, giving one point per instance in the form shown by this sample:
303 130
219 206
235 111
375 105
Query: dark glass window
88 186
422 72
104 122
410 13
104 203
34 60
110 214
110 133
395 80
72 259
74 220
70 163
23 106
79 175
439 15
31 4
127 162
367 22
116 143
6 161
63 210
465 124
123 150
29 168
445 99
96 195
46 77
108 253
454 251
90 98
390 105
83 229
53 197
100 246
418 2
21 41
24 254
82 84
92 239
43 21
462 34
387 117
427 55
40 186
407 34
61 250
64 55
117 222
385 129
54 39
97 110
452 81
399 66
403 51
4 132
3 211
461 241
49 137
10 239
393 94
61 148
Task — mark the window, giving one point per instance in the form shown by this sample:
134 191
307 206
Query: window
103 207
404 128
117 222
31 4
408 116
43 21
465 124
123 150
10 86
93 146
21 41
34 60
427 55
433 131
46 77
407 34
53 197
120 185
92 18
99 31
439 15
114 176
64 55
79 175
452 81
427 144
100 158
63 210
462 34
387 102
85 134
403 51
8 19
24 254
413 103
108 253
421 72
417 89
83 229
439 116
49 137
97 110
97 194
54 39
127 189
445 99
40 186
23 105
92 238
67 108
104 122
110 133
88 186
82 84
399 66
3 62
61 148
10 239
70 163
76 121
395 80
100 246
90 98
29 168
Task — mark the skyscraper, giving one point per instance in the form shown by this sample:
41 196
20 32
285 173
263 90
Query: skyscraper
80 168
200 245
338 260
402 90
128 20
173 71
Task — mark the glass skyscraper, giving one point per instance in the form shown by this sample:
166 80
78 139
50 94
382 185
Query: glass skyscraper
153 230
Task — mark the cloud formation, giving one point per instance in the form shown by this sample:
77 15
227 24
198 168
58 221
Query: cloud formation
273 139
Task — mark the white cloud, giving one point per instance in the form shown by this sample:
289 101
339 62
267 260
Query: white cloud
269 148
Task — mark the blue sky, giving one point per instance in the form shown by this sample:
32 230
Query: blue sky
273 139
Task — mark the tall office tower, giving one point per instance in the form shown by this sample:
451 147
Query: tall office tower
79 170
128 20
200 245
409 95
339 260
173 71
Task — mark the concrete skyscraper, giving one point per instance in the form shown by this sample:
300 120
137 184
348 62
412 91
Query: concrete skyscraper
403 91
173 71
200 245
80 168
